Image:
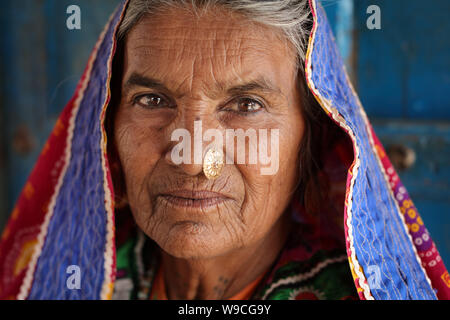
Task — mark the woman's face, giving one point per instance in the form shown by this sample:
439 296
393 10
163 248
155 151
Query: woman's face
228 73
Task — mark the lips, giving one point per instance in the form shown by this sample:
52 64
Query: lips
198 199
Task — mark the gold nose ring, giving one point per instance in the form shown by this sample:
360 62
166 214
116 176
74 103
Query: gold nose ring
213 163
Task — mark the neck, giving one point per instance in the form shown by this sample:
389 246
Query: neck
223 277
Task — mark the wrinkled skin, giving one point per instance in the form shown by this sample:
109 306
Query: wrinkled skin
209 252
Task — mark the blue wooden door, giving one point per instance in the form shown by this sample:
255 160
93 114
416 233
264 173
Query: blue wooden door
41 61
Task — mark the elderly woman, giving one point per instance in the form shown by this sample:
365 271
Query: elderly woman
216 150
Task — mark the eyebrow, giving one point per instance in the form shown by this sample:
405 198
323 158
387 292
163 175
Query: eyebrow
137 80
258 84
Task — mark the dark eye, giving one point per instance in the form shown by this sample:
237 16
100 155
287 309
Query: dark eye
151 101
247 105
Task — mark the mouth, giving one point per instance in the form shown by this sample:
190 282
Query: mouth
194 199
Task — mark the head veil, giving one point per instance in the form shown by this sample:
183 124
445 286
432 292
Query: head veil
65 214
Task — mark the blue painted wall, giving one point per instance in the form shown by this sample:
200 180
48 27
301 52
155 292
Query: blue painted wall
404 68
41 62
402 73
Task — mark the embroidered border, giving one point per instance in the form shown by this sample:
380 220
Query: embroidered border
386 178
326 105
109 255
303 276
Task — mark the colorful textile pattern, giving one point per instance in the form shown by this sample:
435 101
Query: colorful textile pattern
369 242
429 256
377 234
323 277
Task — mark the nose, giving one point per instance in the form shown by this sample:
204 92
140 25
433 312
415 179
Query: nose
187 148
189 168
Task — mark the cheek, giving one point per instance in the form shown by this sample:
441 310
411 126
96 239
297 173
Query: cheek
137 152
290 142
268 195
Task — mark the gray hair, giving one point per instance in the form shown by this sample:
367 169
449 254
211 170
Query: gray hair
292 17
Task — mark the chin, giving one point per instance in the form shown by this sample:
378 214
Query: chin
190 240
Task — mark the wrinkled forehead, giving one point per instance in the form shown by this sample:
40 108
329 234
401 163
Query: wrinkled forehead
213 47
